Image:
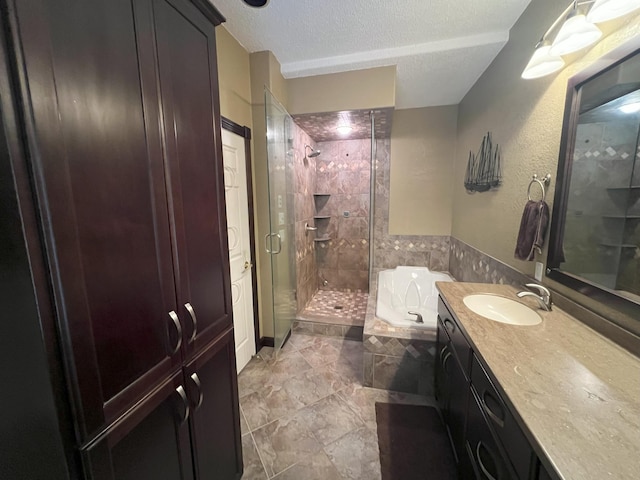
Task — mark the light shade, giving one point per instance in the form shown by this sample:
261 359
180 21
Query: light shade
604 10
630 108
576 34
542 63
344 129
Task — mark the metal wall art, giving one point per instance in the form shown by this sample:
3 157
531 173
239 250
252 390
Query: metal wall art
483 168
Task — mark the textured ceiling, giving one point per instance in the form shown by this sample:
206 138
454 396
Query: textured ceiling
440 47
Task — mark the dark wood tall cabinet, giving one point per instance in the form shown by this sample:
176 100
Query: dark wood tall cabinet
118 125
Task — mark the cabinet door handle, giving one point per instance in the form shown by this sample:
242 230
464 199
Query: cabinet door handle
492 415
444 362
196 380
444 350
482 467
185 403
448 323
176 323
194 320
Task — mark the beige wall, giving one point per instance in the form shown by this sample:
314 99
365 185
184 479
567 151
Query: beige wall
423 146
356 90
234 78
525 118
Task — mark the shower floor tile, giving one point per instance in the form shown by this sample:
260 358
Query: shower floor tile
339 308
306 414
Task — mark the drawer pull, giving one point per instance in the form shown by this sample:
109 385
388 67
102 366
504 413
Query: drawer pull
444 362
442 352
449 325
492 415
482 467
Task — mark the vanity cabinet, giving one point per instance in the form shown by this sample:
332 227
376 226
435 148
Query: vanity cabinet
485 437
452 386
120 126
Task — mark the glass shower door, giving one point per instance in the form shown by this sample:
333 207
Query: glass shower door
280 241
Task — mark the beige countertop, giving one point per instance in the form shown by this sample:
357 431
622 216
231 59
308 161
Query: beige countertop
577 393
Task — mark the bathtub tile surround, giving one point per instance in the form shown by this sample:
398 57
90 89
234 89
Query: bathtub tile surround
343 172
304 188
397 358
328 428
393 250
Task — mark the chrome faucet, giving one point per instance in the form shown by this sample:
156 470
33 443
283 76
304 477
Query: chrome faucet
419 319
544 298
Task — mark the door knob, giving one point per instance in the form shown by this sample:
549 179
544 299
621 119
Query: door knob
247 265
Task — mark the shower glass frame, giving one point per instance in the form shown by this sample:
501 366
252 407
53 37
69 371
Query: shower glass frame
280 241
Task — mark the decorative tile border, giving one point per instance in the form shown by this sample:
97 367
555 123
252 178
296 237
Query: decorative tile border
468 264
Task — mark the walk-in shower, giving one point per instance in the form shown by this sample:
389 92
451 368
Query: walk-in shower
331 198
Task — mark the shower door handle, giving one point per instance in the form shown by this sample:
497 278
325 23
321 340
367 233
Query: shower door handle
268 244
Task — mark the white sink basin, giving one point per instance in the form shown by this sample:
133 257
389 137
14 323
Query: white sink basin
501 309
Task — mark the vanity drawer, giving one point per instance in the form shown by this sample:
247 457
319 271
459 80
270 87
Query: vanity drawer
482 449
502 422
460 345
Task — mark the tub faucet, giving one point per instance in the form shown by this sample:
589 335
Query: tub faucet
544 299
419 319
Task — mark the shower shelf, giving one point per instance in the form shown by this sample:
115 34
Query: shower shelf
322 217
321 194
323 239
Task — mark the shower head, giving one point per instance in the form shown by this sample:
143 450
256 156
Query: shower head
314 153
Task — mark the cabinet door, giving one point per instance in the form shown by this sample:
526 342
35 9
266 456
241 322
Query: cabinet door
442 380
459 395
98 172
150 443
215 421
188 83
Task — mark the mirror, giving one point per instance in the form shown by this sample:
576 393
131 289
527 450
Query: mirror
595 231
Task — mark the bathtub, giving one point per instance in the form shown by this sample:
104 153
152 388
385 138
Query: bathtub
406 289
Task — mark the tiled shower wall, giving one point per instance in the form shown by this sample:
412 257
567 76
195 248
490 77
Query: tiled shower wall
604 163
304 188
343 177
393 250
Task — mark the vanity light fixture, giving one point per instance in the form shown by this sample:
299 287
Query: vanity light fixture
543 62
630 108
575 34
605 10
572 31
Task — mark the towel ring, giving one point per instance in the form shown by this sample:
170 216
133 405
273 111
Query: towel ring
535 180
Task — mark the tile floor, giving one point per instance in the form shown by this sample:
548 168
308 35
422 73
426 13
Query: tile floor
352 307
305 414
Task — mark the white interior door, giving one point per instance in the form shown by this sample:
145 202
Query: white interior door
236 195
